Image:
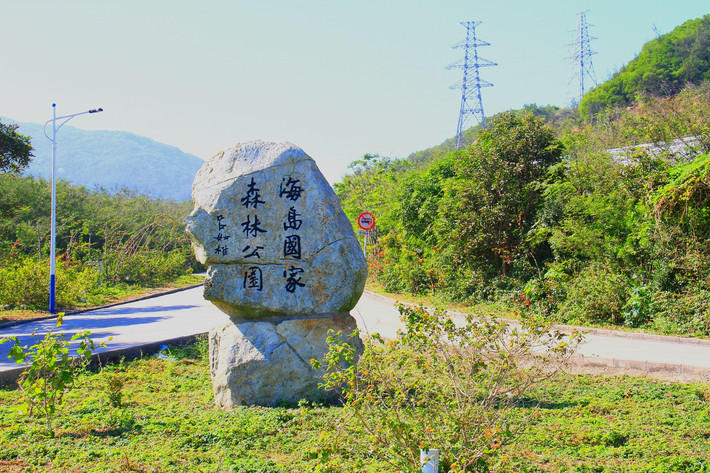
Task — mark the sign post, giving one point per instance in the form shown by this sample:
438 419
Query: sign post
366 221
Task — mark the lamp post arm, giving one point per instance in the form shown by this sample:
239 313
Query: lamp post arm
67 117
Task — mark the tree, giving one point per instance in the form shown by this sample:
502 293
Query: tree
491 206
15 149
371 184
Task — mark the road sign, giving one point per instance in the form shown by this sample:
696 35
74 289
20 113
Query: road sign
366 221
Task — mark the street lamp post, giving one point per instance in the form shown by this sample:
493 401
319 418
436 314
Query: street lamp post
53 250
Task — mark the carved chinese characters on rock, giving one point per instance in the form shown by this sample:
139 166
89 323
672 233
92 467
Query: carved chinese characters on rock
291 190
221 237
251 227
256 223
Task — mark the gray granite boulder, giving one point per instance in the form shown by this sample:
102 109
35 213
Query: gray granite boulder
283 262
268 363
272 232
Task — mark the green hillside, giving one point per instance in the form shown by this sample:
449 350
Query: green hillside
664 66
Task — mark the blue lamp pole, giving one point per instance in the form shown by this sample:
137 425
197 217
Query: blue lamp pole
53 250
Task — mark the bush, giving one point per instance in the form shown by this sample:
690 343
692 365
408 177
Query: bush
442 385
686 313
50 370
637 309
547 293
145 267
597 295
24 282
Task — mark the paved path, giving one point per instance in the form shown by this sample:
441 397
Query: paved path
134 324
148 322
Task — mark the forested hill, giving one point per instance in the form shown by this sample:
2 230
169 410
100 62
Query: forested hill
113 160
664 66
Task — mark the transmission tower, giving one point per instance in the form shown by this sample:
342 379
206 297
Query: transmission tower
470 85
580 61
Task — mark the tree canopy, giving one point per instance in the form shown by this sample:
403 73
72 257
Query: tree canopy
15 149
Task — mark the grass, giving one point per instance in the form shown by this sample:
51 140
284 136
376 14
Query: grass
111 295
167 422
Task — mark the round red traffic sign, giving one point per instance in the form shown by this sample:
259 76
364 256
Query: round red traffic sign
366 221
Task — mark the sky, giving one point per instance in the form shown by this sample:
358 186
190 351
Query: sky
338 78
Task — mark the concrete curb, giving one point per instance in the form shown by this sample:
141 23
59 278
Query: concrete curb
650 367
622 366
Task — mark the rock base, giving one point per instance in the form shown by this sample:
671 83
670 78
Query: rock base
268 362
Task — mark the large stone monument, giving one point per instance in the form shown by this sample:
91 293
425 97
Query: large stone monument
283 263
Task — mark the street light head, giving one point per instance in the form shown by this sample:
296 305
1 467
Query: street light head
96 110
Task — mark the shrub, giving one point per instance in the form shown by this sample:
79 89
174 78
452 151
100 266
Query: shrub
24 281
113 387
50 369
442 385
597 295
545 294
637 309
685 313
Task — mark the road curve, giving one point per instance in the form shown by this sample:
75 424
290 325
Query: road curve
186 313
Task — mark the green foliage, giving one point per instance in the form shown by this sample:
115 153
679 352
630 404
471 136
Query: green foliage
685 200
113 383
491 206
51 370
625 198
664 66
104 241
443 385
597 295
369 185
15 149
24 282
637 309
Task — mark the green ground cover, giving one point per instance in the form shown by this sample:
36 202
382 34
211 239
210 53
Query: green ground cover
153 415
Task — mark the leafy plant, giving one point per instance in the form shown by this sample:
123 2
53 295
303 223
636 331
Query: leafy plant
113 384
597 295
51 370
443 385
15 149
637 308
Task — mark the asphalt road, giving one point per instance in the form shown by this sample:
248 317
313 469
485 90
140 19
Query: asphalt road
147 323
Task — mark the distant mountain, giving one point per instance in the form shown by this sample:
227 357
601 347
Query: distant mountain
112 160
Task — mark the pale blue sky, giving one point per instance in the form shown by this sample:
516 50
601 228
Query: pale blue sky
339 78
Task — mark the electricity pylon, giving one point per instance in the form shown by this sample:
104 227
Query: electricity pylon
470 85
580 61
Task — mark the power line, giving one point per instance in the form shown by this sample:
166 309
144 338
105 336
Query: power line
580 61
470 85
